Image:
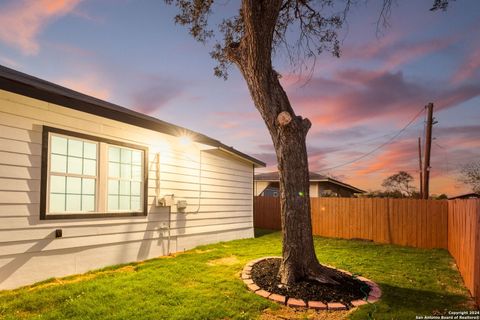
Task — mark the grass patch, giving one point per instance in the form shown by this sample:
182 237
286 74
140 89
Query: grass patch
204 284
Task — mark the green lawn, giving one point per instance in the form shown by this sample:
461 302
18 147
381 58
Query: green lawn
204 284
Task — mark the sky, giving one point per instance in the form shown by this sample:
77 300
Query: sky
130 52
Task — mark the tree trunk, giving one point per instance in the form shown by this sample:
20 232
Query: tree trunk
253 57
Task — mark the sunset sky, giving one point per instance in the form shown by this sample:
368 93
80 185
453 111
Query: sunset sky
131 53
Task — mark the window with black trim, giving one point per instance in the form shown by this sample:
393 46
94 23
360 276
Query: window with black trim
85 176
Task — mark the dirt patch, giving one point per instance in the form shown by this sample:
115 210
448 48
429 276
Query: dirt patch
289 313
228 261
82 277
204 251
265 275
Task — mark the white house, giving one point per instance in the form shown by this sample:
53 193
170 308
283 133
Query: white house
86 184
268 184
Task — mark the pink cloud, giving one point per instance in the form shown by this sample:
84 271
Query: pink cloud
361 96
469 67
240 115
411 52
400 155
235 122
22 21
72 51
156 95
374 48
229 125
241 134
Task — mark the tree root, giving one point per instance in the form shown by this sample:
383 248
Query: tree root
322 279
323 275
313 272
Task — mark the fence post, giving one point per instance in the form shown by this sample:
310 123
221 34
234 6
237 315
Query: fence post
476 275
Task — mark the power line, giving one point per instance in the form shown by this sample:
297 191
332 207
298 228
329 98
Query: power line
380 146
371 140
446 165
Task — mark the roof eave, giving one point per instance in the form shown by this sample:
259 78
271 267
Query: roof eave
356 190
26 85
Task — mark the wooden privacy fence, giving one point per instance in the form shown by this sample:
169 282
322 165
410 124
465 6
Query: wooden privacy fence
452 225
266 213
464 241
418 223
410 222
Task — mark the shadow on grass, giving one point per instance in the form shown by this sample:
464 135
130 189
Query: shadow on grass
400 303
263 232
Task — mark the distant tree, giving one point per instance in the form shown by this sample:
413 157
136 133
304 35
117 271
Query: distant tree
443 196
383 194
470 175
329 194
415 194
399 183
302 29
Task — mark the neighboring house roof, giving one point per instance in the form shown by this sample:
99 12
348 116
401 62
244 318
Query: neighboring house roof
314 177
472 195
26 85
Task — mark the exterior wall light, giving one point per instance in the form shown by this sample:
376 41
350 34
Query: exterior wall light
185 140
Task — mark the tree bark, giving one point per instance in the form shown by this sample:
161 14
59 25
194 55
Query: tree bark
288 132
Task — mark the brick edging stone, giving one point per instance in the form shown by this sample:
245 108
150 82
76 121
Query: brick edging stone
373 296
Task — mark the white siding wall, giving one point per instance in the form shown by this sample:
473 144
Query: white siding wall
260 186
314 189
220 201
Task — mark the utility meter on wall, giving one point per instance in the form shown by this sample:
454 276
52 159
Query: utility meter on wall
181 205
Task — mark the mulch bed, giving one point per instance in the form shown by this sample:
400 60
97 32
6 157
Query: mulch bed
265 275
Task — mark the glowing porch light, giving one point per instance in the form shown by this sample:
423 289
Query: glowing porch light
184 140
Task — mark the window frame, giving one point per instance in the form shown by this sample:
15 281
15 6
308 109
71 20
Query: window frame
45 164
68 175
119 178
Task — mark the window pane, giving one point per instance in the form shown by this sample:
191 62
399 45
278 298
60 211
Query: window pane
113 186
88 203
125 188
136 186
59 145
74 185
137 172
125 171
88 186
57 184
57 202
112 203
75 148
89 167
126 156
74 165
58 164
113 169
124 203
113 154
73 202
135 203
137 157
89 150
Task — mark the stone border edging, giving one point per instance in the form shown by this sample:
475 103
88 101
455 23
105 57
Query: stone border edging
373 296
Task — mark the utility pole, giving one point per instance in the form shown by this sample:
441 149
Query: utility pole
428 148
420 166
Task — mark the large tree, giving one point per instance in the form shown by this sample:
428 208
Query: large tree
400 183
248 40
